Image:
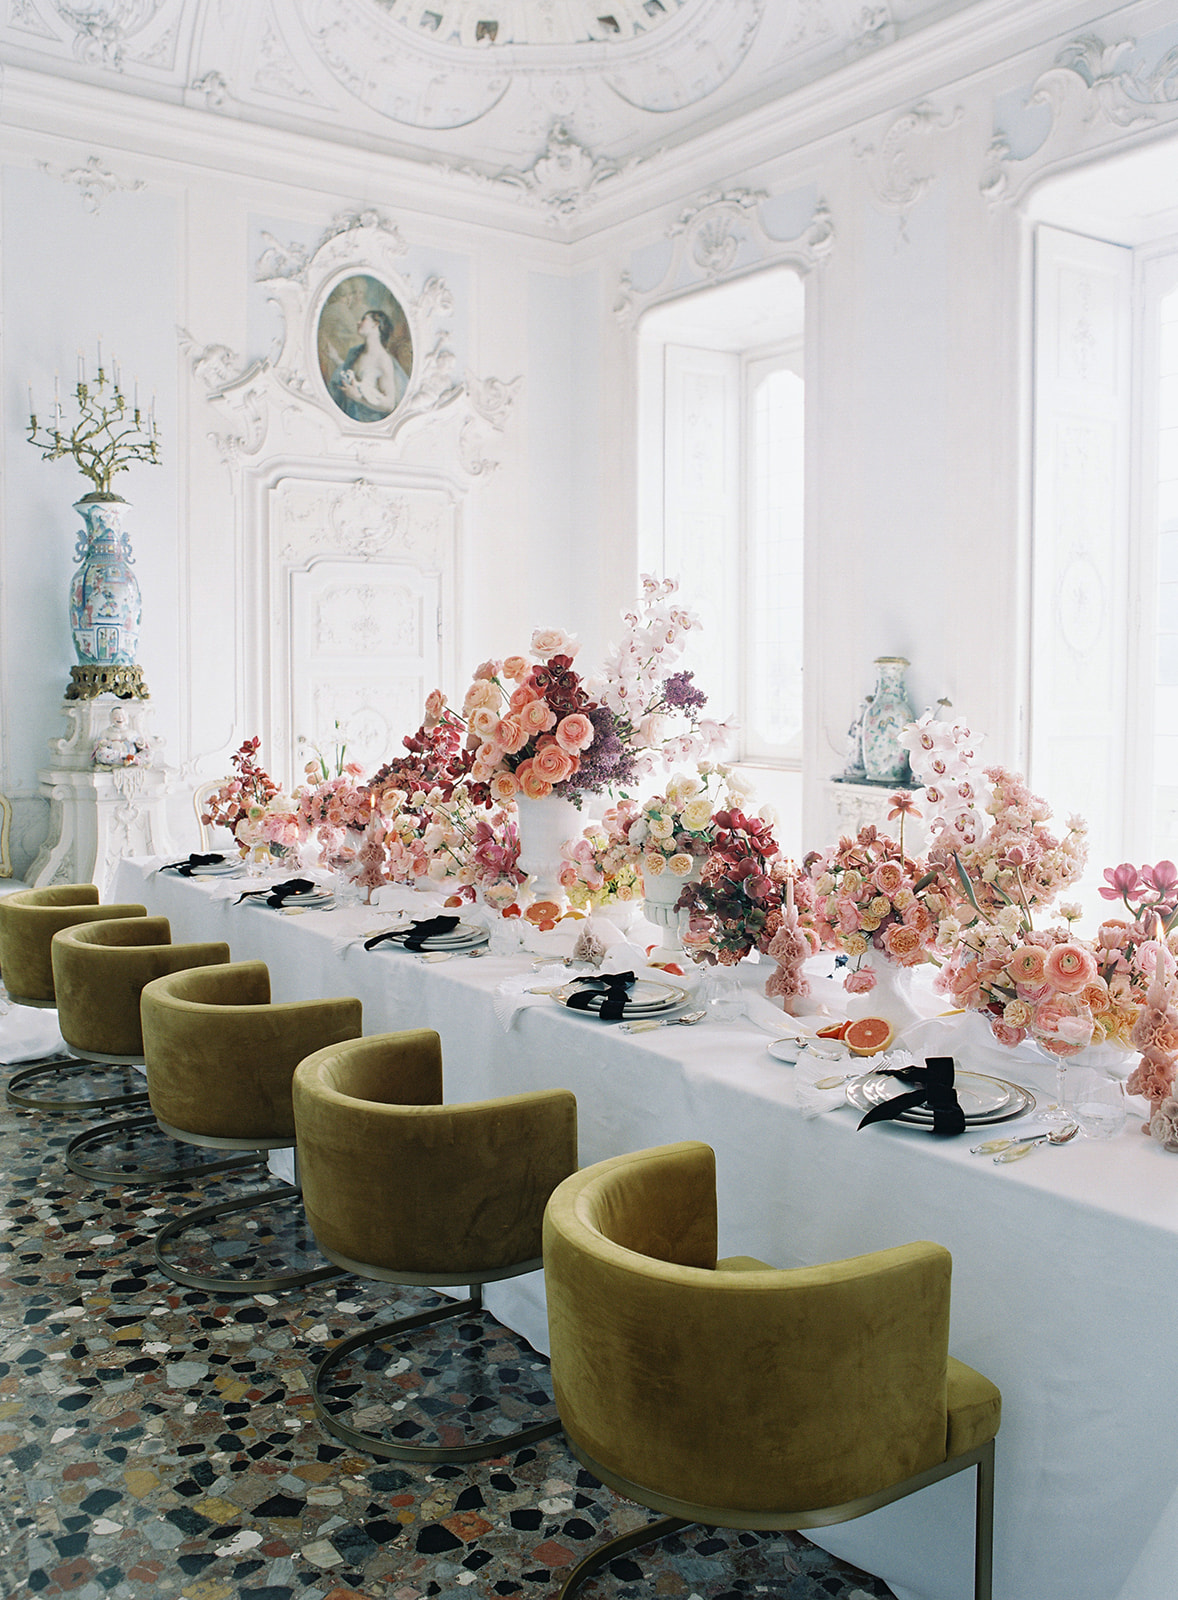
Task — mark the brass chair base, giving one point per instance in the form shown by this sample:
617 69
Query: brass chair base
173 1231
592 1564
981 1457
375 1444
104 1132
53 1070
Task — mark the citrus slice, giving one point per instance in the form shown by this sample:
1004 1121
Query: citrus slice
837 1030
867 1036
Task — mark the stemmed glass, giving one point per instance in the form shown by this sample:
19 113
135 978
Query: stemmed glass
1095 1101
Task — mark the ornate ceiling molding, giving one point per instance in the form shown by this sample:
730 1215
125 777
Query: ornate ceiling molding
718 237
283 405
1093 93
563 181
94 182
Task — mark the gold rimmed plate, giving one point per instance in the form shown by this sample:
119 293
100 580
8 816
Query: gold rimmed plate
647 998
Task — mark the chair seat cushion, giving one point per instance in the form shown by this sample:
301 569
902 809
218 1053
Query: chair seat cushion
975 1409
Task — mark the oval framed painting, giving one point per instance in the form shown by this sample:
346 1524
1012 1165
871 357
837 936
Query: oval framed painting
365 348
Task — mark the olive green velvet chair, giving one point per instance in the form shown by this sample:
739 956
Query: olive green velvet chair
737 1395
99 972
29 918
401 1188
220 1058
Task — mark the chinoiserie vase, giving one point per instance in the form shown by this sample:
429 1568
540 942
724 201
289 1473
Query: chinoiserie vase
890 711
660 894
544 825
105 605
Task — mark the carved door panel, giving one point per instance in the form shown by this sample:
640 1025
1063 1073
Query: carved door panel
364 655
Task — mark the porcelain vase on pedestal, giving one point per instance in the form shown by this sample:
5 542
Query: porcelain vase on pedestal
105 604
661 893
884 718
544 825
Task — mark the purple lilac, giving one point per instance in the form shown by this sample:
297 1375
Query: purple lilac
681 693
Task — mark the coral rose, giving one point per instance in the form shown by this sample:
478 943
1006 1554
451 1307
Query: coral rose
531 784
516 667
904 944
511 734
536 716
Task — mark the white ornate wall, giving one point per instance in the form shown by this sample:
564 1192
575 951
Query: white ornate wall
895 172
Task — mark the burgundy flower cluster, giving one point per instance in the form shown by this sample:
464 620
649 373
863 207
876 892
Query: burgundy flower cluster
436 760
737 904
252 786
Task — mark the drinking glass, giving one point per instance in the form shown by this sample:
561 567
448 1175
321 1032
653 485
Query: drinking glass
1094 1101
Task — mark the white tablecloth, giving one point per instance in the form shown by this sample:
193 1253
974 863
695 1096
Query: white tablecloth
1065 1283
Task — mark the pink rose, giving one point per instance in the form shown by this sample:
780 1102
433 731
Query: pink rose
504 787
553 764
488 669
549 642
511 734
516 667
575 732
484 722
904 944
888 877
861 982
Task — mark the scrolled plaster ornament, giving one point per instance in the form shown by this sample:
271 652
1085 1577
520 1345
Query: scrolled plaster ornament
897 183
213 88
1093 92
562 180
715 226
94 182
103 28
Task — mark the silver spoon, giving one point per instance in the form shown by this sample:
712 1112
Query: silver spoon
1016 1149
647 1024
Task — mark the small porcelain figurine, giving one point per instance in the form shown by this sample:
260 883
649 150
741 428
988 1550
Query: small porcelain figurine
119 746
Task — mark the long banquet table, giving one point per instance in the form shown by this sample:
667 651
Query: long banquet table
1065 1284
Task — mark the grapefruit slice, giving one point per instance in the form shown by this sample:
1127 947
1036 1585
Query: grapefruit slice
837 1030
867 1036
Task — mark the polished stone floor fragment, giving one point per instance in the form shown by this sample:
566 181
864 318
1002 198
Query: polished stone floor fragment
160 1443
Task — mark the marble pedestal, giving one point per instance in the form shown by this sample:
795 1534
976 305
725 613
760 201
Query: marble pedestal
100 814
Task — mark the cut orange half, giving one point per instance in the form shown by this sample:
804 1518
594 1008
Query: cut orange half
867 1036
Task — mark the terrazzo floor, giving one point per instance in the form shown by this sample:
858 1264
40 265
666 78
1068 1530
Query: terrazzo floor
159 1442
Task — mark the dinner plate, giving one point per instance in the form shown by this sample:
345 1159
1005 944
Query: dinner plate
317 899
646 999
785 1050
217 869
982 1099
464 937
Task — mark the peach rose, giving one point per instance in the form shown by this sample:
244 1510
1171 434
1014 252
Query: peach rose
536 717
484 721
482 692
553 764
888 877
435 704
575 732
653 864
549 642
531 784
903 944
504 788
1069 968
681 863
515 668
511 734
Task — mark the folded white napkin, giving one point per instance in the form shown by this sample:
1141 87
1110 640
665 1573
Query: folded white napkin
827 1058
28 1033
513 994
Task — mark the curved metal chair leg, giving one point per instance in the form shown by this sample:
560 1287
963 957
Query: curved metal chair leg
52 1071
104 1132
375 1444
176 1229
624 1542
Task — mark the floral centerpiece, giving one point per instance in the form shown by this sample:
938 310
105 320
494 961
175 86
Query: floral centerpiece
250 786
673 832
536 727
598 868
736 906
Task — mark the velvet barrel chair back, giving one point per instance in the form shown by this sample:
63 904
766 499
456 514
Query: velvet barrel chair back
29 919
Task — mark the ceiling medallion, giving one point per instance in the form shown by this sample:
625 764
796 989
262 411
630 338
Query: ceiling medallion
478 24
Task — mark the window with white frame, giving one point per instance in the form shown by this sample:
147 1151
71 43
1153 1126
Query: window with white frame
721 486
1104 701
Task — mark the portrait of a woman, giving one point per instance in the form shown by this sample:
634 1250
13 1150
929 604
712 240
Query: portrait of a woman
365 352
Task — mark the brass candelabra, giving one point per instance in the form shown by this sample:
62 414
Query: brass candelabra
109 435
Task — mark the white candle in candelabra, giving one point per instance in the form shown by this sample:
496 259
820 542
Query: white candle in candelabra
789 888
81 367
56 391
136 399
32 408
100 352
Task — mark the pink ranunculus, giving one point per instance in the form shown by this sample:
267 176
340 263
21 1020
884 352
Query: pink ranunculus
516 667
553 764
537 716
522 695
484 721
435 704
1026 963
511 734
861 982
482 692
575 732
1069 967
488 669
531 784
504 787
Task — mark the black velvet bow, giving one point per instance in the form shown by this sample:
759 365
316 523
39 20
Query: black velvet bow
419 933
279 892
184 868
934 1089
614 987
